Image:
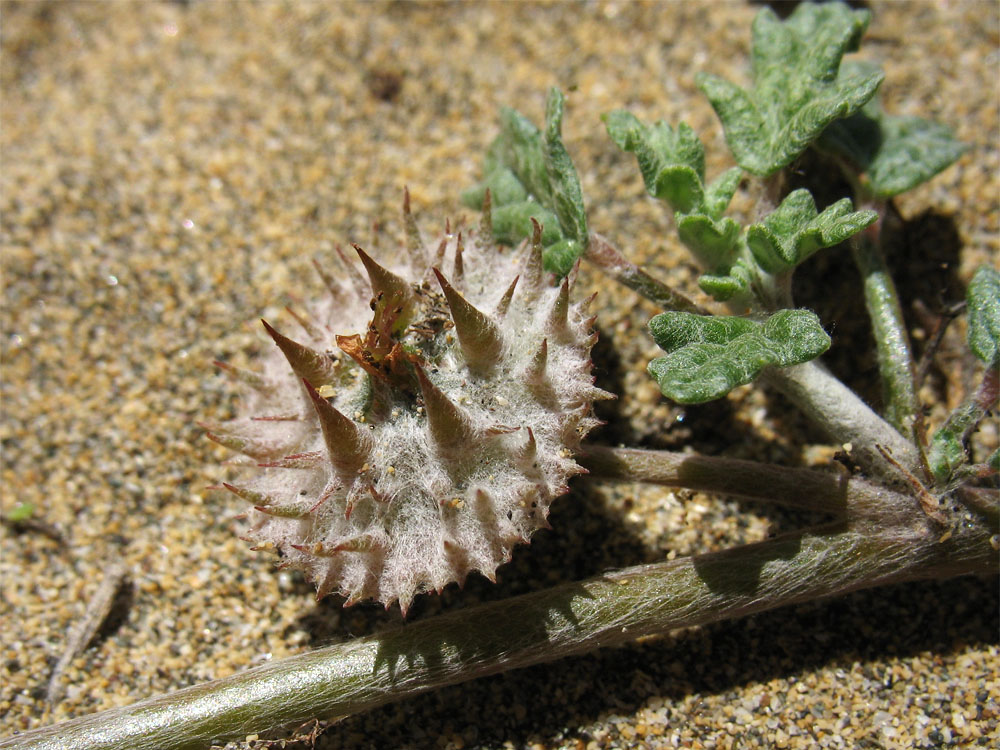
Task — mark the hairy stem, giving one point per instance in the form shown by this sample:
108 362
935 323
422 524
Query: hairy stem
513 633
888 327
811 387
612 263
845 497
847 420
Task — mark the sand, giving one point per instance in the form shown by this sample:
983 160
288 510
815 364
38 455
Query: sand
169 171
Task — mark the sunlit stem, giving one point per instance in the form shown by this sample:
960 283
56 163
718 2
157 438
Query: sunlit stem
569 619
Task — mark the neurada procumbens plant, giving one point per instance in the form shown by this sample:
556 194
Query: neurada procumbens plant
433 432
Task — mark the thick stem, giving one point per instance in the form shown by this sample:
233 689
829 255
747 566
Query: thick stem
845 497
895 360
612 263
513 633
847 420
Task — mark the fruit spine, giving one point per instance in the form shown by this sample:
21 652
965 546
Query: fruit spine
429 439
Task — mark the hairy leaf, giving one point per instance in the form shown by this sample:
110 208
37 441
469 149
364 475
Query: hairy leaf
567 196
709 356
945 453
512 223
714 243
796 90
530 175
560 256
895 153
720 192
504 188
726 284
794 231
672 162
520 148
983 299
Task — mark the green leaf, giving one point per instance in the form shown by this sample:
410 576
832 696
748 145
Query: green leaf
714 243
567 196
725 286
520 148
796 90
672 162
559 257
895 153
709 356
983 298
530 175
913 151
945 454
512 223
794 231
504 188
720 192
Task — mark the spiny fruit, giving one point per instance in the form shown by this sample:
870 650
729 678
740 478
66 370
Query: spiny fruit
422 424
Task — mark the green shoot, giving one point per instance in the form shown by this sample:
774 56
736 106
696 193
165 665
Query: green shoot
947 449
796 90
530 176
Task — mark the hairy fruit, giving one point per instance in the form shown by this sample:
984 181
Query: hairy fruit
422 421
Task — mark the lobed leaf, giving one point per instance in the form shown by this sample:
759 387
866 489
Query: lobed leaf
796 90
564 183
530 175
708 356
983 298
714 243
720 192
794 231
727 284
672 162
895 153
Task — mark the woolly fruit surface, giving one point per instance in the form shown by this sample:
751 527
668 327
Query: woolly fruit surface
420 424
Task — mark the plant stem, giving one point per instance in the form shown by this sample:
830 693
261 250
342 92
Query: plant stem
811 387
848 498
569 619
888 327
611 262
847 420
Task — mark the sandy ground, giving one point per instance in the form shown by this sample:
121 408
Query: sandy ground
170 170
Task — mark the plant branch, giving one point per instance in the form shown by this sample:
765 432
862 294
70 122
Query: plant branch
846 419
845 497
810 386
612 263
542 626
895 359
